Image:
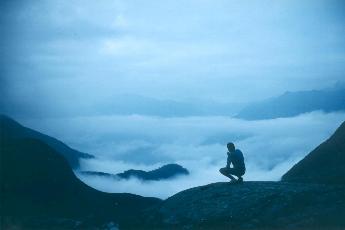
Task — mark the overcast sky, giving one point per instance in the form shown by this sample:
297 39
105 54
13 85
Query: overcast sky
59 55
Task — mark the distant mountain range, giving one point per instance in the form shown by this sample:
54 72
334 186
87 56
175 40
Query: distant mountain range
325 164
14 130
165 172
294 103
288 104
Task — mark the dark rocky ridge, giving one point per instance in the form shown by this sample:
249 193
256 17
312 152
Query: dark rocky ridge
252 205
14 130
40 191
325 164
165 172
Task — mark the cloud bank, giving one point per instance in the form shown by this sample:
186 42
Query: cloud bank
120 143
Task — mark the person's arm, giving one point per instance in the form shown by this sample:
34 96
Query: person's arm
228 161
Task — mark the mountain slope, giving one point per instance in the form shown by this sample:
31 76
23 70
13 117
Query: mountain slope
325 164
294 103
13 129
37 183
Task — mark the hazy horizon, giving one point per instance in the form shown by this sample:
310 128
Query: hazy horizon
68 57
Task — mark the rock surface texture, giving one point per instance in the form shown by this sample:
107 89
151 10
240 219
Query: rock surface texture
251 205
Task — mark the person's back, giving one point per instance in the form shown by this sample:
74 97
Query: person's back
235 157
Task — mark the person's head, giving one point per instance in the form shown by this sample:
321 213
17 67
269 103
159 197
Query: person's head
231 147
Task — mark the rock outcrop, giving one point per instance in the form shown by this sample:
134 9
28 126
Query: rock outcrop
252 205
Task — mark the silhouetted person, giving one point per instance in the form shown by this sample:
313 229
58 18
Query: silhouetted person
235 157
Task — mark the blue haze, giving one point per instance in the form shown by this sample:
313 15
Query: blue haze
66 58
143 83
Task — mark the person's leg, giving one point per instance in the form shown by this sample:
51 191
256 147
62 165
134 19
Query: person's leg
240 179
227 172
239 173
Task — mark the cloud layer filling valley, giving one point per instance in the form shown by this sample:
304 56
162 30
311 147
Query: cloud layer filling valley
120 143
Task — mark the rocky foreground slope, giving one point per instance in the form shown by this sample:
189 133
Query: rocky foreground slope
252 205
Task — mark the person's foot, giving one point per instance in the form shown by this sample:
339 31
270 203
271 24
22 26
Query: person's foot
233 181
240 180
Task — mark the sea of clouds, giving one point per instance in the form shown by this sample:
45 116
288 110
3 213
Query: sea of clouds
270 147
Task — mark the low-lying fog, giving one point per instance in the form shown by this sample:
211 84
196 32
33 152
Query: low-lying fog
120 143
